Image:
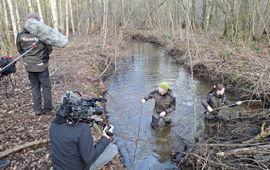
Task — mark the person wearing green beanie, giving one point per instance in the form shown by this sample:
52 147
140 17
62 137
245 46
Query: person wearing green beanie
164 86
165 104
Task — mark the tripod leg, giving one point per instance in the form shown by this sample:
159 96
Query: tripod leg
12 82
6 86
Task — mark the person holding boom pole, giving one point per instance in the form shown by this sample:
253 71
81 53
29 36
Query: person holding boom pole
36 63
34 44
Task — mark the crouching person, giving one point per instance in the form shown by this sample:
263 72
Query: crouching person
215 99
72 145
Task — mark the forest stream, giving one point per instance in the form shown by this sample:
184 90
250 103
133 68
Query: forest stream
142 147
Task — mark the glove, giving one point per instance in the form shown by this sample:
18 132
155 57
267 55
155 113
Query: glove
162 114
143 100
108 131
96 118
238 103
209 108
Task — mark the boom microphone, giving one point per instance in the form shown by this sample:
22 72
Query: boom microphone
45 33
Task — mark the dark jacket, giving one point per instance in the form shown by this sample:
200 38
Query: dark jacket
37 59
165 102
214 101
72 146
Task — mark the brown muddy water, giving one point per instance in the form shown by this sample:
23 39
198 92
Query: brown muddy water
140 146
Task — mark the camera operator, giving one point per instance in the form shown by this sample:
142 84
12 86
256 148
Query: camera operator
72 145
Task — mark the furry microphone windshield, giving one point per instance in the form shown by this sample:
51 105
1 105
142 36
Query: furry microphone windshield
45 33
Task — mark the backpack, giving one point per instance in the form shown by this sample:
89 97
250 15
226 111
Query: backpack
5 61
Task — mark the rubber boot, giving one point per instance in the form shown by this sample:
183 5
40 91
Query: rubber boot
219 118
168 123
154 123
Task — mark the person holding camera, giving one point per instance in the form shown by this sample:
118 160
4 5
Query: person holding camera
72 144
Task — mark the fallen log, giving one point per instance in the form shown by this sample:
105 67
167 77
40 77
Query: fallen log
235 144
24 146
213 162
261 149
265 132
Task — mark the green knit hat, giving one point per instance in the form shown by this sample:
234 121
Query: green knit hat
164 85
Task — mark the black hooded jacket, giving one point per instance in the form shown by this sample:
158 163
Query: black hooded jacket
215 101
37 59
72 146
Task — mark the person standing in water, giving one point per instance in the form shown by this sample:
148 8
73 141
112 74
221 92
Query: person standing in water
215 99
165 104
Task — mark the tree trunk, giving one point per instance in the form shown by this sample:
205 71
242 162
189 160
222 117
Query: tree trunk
171 19
266 14
253 34
3 46
6 17
40 11
105 21
61 16
206 13
89 14
79 17
54 13
92 3
14 27
71 17
232 20
76 14
123 11
67 23
5 42
30 7
193 13
46 13
263 21
17 15
187 5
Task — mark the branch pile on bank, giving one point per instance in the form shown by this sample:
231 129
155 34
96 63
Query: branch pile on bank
233 144
243 69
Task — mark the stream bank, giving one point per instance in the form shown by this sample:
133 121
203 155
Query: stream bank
245 73
139 74
243 69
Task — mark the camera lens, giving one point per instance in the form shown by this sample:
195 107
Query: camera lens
98 110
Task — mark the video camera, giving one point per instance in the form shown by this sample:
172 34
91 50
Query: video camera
4 69
77 109
89 106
